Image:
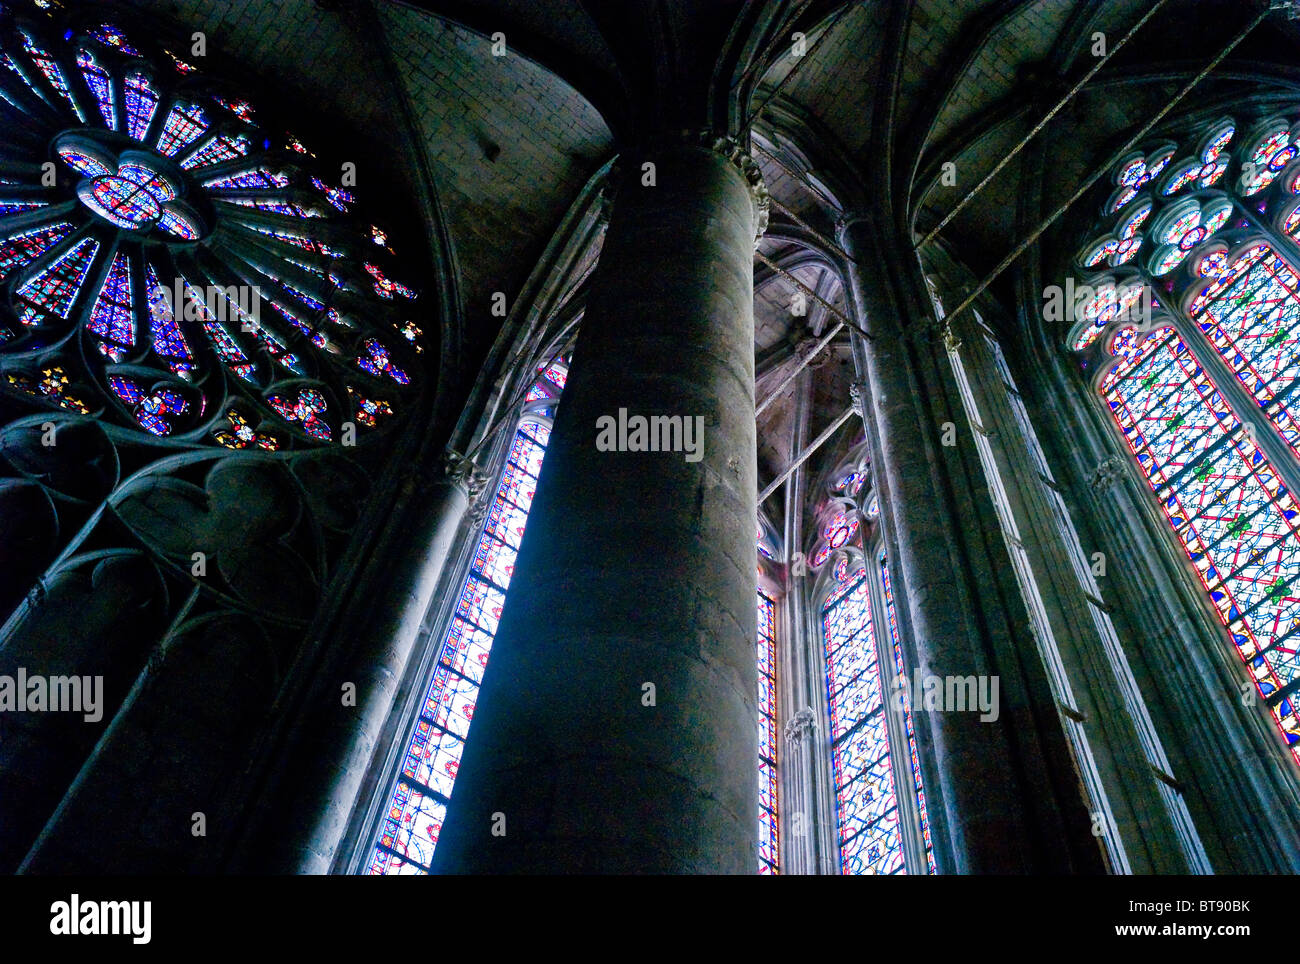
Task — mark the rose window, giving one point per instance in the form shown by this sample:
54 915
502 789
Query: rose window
175 261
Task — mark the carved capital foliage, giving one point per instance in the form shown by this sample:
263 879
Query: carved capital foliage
465 474
800 727
1106 474
732 150
858 398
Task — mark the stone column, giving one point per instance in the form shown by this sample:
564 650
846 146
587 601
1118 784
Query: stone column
999 803
615 730
797 675
345 739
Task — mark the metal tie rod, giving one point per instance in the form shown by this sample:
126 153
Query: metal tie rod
803 456
1041 124
1128 146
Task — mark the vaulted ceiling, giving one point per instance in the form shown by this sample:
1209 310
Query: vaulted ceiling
910 84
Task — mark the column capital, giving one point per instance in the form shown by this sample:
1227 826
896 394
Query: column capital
744 162
465 474
735 152
858 398
800 727
1108 471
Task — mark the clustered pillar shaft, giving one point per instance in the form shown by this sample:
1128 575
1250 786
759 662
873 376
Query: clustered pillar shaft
982 810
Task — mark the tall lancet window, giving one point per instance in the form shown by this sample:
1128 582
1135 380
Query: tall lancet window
904 708
865 802
418 800
1200 377
768 836
880 809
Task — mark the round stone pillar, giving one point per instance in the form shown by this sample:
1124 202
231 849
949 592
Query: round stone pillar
616 730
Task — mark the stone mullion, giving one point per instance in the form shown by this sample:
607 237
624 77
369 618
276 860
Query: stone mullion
798 826
1146 817
900 757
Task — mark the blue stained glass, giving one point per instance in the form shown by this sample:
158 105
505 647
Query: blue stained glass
149 409
336 196
386 287
168 341
178 225
768 836
240 108
9 207
23 248
228 349
866 807
141 102
408 832
506 521
235 311
101 85
896 647
9 62
127 389
376 362
874 850
1253 321
112 317
518 487
184 125
55 288
217 149
260 177
275 207
297 240
303 297
47 65
496 561
308 409
526 454
113 36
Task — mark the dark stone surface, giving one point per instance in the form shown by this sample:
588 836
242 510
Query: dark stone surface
636 567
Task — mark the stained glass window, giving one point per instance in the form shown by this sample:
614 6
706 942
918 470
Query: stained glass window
1249 310
1236 520
114 36
184 125
141 102
260 177
866 806
768 837
101 85
913 758
50 68
223 147
56 287
417 804
840 529
112 317
1234 305
141 291
25 247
